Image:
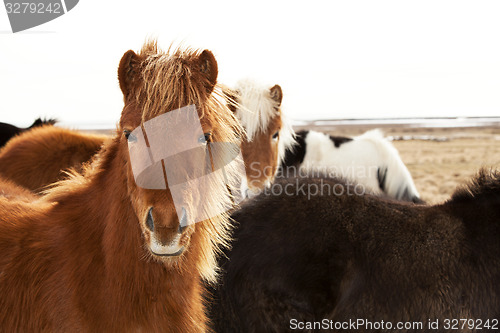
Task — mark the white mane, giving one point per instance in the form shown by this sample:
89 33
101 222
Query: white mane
256 108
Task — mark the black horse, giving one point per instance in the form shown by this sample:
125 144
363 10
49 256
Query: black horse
312 258
7 131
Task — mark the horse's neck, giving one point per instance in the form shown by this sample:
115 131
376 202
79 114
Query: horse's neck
96 212
108 191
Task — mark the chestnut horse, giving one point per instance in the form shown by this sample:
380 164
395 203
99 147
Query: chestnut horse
98 253
307 260
40 157
8 131
269 132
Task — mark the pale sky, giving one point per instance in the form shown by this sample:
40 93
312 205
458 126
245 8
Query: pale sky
333 59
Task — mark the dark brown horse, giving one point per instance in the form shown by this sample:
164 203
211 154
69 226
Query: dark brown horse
318 256
8 131
98 253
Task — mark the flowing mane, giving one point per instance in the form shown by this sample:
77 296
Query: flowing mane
152 96
256 108
181 89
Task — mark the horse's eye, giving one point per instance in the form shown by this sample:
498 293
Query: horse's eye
206 137
276 135
129 136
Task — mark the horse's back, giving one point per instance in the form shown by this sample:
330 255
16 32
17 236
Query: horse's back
36 158
356 160
398 182
369 159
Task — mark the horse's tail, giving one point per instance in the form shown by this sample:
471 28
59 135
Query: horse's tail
40 122
393 175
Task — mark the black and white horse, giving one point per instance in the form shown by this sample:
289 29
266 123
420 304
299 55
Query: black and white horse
309 262
368 159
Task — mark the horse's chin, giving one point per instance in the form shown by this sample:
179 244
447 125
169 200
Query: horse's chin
169 254
173 249
251 192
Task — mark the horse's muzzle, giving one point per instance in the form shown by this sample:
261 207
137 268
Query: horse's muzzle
183 221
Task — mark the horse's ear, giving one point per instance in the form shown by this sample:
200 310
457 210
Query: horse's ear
208 68
127 70
276 94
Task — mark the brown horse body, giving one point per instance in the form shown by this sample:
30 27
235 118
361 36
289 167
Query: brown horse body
76 262
12 191
37 157
80 258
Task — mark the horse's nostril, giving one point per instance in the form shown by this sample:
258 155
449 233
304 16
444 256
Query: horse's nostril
183 221
150 222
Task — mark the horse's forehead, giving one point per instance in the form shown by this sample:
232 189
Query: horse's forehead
275 120
176 123
208 122
271 123
158 58
162 62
